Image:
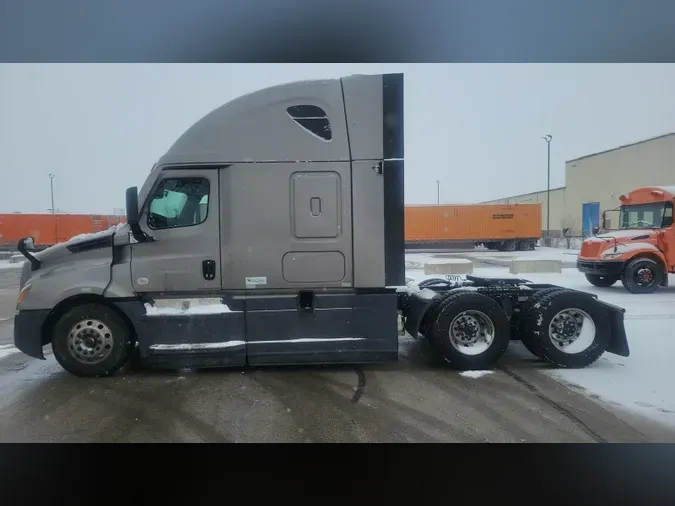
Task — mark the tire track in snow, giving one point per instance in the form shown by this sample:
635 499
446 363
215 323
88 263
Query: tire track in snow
558 407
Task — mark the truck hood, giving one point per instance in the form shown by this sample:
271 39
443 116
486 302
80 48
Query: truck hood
78 244
626 240
624 236
93 248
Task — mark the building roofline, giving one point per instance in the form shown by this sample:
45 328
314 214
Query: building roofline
523 194
620 147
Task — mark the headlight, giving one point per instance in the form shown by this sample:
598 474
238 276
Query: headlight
22 295
611 256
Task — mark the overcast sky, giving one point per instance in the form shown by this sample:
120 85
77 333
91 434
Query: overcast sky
476 128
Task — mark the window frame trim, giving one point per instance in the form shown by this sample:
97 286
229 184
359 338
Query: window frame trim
158 184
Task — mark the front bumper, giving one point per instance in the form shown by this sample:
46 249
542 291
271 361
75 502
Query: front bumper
601 268
28 332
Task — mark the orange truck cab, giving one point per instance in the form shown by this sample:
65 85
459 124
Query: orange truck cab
641 252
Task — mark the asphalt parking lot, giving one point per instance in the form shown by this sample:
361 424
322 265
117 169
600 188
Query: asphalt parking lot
415 400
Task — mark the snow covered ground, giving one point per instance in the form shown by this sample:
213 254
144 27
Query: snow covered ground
643 383
4 264
568 257
7 349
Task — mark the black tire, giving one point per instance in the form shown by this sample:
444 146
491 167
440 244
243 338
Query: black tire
431 282
634 271
452 307
537 321
103 332
522 332
601 281
510 246
526 246
432 310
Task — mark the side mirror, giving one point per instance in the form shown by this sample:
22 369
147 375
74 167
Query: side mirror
132 214
24 245
132 204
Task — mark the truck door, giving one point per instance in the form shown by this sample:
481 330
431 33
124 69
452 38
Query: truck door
181 215
182 262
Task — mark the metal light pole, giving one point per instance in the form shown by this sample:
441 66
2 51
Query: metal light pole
51 184
548 139
438 192
56 226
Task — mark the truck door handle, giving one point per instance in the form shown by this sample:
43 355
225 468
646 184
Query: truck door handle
209 269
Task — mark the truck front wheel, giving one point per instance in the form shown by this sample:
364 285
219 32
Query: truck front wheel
92 340
601 281
642 275
470 331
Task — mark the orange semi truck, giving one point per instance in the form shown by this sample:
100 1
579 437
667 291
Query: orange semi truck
641 253
503 227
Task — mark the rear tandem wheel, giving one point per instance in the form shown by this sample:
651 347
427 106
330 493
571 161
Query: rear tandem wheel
469 330
565 328
523 335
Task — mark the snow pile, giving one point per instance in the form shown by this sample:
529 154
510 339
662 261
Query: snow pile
95 235
475 374
449 260
417 260
7 349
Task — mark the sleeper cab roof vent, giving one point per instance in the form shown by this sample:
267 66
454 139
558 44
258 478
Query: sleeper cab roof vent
312 119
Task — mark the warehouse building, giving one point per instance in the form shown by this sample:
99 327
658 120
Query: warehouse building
593 184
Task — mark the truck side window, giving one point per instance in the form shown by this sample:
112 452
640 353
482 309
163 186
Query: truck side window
312 119
667 216
179 202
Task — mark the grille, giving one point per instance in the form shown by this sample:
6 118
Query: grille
591 249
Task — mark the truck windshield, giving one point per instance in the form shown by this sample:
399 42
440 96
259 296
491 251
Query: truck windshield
653 215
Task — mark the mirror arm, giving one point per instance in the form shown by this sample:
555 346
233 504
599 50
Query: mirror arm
23 249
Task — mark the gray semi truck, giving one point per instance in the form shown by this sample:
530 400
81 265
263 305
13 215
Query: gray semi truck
271 232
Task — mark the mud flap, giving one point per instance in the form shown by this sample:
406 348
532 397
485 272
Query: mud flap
414 308
618 341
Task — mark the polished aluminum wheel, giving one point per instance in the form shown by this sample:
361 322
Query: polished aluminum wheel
471 332
90 341
572 331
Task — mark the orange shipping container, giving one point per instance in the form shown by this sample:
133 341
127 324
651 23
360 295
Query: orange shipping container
477 223
50 229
